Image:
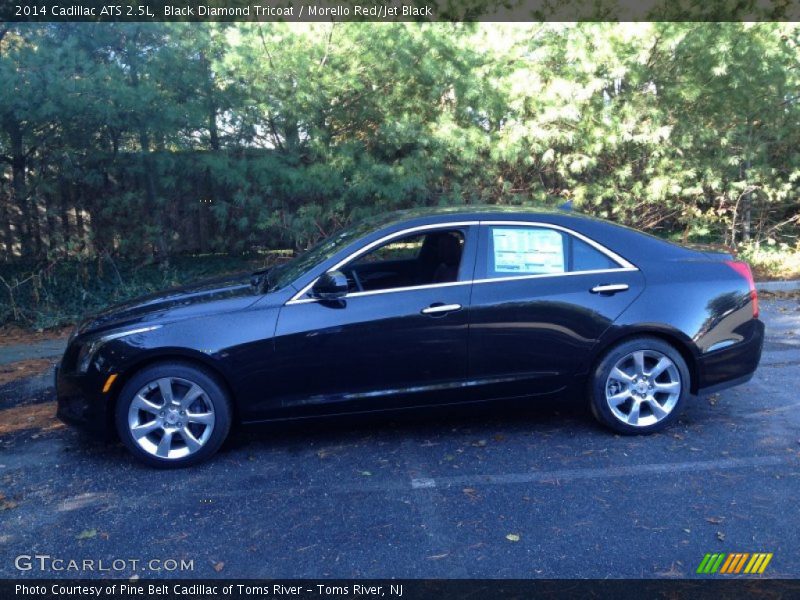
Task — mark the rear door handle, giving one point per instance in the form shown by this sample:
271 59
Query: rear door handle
611 288
434 309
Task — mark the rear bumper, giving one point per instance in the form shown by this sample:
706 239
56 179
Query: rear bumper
78 405
731 366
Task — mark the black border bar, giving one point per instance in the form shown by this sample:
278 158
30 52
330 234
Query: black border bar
410 589
396 10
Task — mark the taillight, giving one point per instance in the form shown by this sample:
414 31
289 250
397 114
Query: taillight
743 269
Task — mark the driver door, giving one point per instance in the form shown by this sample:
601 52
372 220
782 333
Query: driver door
398 338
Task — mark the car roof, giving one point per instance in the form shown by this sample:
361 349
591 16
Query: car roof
620 238
468 212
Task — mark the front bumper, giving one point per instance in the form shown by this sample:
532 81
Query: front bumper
733 365
80 403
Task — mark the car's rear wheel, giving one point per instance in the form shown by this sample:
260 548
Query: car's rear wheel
173 414
639 386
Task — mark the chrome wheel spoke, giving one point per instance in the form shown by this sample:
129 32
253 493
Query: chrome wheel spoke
142 403
618 398
165 387
620 375
633 416
657 409
190 396
192 443
206 418
638 362
165 445
662 366
672 387
140 431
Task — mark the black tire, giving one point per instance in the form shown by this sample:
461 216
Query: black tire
215 393
599 385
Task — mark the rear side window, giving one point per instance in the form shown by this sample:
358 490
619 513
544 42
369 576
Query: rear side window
520 251
526 251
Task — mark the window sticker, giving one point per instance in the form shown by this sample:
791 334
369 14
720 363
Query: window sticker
528 251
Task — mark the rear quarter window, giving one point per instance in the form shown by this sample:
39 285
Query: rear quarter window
587 258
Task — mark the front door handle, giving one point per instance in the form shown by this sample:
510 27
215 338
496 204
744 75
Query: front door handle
611 288
438 308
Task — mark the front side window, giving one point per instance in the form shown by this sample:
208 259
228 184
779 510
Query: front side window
413 260
520 251
282 275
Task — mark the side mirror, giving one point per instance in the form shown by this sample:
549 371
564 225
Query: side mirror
331 286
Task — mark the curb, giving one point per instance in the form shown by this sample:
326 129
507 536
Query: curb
777 286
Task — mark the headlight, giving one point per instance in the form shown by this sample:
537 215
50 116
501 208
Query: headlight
90 347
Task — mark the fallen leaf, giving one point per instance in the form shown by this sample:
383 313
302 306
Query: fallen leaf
7 504
512 537
218 566
715 520
86 534
366 473
472 493
720 536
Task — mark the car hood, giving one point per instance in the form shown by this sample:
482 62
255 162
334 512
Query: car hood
229 293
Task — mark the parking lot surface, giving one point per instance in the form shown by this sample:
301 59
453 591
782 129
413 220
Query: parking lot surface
500 492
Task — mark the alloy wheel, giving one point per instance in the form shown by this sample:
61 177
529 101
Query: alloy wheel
171 418
643 388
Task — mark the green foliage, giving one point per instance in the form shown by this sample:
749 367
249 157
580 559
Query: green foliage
151 141
772 261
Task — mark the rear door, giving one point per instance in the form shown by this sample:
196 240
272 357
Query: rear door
541 299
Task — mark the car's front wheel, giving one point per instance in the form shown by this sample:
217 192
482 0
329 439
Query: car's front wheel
173 414
639 386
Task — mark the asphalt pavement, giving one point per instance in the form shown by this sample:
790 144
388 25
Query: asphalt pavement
502 492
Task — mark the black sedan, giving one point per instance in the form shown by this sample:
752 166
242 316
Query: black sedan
420 309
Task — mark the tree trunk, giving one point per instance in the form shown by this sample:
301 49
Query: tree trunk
19 187
53 241
747 209
5 219
64 196
36 227
79 232
747 201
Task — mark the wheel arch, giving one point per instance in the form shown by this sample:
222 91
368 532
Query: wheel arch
183 355
673 337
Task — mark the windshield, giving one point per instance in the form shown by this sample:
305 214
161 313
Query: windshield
284 274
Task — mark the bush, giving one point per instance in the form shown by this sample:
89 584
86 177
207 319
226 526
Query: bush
778 261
